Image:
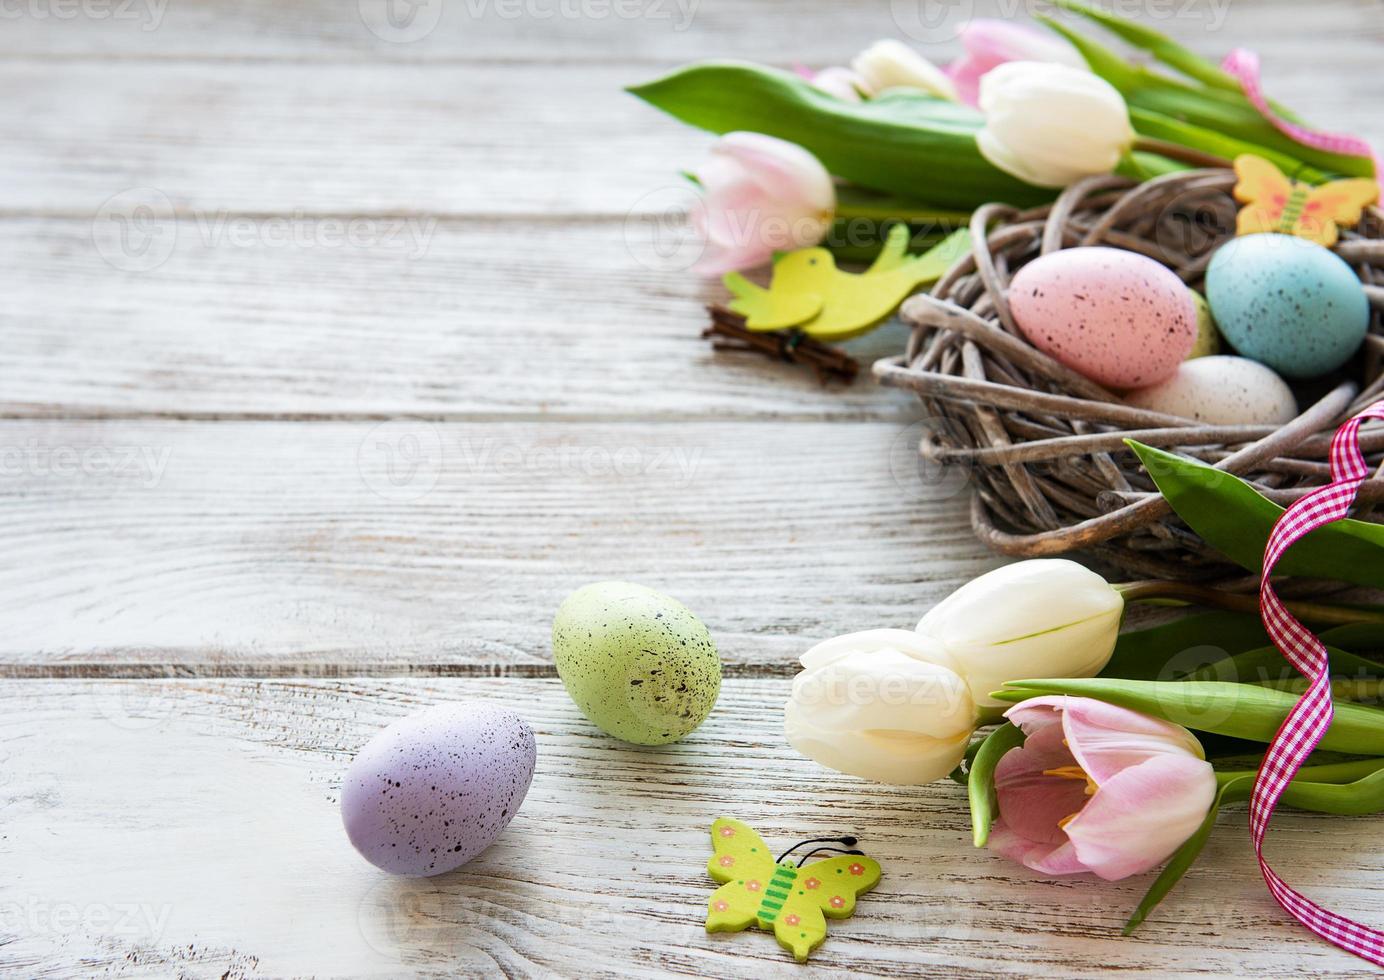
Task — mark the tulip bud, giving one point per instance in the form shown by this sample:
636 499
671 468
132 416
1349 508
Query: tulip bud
1051 124
990 43
1047 617
884 705
840 82
892 64
760 195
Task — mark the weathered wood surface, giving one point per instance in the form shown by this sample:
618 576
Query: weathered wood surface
182 826
407 545
483 320
359 250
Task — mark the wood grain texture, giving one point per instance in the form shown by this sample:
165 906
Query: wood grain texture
471 319
374 135
192 827
395 351
581 32
408 545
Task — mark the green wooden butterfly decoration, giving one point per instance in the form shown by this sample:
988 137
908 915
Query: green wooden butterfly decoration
789 897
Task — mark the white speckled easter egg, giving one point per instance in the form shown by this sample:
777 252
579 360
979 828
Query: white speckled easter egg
1221 390
1208 337
638 663
1287 302
433 790
1117 317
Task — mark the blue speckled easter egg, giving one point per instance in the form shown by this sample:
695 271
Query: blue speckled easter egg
1288 303
432 791
638 663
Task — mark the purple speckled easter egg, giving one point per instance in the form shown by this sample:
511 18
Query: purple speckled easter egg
1121 319
433 790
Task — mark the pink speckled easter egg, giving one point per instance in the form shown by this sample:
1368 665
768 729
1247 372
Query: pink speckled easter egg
1117 317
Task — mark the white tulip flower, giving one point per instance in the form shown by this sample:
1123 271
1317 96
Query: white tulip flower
884 705
1047 617
892 64
1051 124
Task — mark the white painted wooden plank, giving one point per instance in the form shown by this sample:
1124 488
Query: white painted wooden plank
286 547
191 827
338 139
816 31
471 318
382 137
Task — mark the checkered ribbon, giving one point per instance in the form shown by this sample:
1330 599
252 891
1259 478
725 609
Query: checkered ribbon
1244 66
1305 725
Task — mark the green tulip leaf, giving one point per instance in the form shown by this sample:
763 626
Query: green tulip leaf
1243 711
900 143
1235 520
1184 645
980 787
1267 664
1162 47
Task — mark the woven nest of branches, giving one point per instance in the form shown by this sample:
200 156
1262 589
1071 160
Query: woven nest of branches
1050 472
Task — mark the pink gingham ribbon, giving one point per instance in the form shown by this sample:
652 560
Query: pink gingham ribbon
1244 66
1305 725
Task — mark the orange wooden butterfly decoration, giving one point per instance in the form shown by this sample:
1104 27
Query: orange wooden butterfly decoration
1273 203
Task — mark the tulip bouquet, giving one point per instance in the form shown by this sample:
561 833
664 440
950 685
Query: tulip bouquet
1019 115
1095 768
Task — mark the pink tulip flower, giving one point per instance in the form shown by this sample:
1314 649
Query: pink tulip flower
990 43
1098 788
760 195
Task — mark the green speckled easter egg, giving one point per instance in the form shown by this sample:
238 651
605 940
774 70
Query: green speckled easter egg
1208 337
636 662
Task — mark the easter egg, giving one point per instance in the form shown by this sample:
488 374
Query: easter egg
1287 302
1117 317
1208 337
1221 390
638 663
433 790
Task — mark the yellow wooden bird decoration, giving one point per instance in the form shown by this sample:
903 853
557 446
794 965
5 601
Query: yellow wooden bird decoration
808 292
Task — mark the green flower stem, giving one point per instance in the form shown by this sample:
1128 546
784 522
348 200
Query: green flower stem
1313 612
855 202
1334 773
1180 152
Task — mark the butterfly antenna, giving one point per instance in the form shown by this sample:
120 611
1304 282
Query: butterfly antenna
848 841
819 850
